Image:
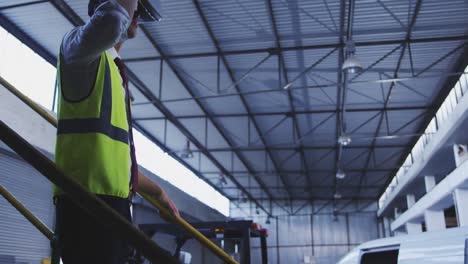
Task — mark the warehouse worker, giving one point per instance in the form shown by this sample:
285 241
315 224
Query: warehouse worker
94 136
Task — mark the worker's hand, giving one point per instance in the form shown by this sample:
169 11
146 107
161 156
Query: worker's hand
167 203
150 188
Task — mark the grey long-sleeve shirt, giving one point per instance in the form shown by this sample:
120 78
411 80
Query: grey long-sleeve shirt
82 47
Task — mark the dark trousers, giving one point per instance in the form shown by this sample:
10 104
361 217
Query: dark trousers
83 240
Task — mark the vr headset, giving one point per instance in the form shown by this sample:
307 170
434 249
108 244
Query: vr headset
147 11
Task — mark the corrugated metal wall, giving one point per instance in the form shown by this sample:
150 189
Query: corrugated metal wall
18 237
314 231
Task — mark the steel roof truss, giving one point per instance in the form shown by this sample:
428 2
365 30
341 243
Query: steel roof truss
305 112
398 79
365 122
282 71
231 75
392 85
308 47
409 123
412 89
394 155
442 58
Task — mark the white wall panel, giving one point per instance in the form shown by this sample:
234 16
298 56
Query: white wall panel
322 236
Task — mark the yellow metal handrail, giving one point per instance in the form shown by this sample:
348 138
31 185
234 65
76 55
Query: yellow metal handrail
89 202
177 220
26 213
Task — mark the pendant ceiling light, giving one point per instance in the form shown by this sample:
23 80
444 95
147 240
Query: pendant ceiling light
186 153
344 139
337 196
351 64
340 174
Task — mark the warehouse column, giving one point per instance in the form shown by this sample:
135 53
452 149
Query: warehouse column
412 227
386 226
410 200
460 197
396 213
429 182
435 219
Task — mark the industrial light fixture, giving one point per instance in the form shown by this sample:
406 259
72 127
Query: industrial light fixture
257 211
352 63
186 153
337 196
344 139
340 174
268 221
222 179
335 215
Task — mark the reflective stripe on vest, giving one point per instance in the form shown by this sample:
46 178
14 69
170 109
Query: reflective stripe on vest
97 125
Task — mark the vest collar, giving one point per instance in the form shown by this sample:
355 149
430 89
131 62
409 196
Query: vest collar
113 53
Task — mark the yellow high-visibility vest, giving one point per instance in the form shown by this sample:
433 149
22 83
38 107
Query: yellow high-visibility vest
93 134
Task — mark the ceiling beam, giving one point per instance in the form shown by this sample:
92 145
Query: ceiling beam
300 112
312 188
286 148
320 86
300 171
312 199
306 47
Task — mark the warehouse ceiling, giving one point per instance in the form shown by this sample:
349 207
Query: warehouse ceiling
212 74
